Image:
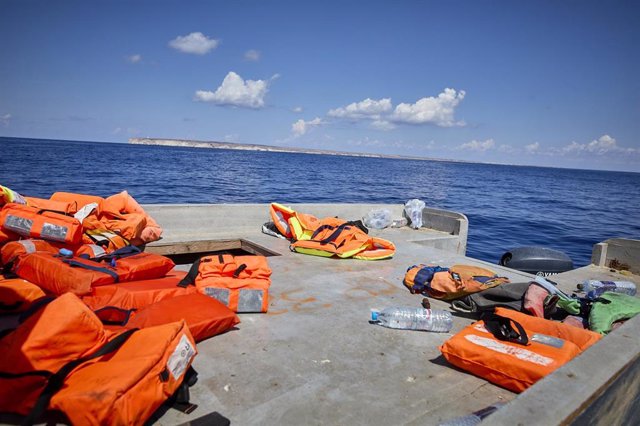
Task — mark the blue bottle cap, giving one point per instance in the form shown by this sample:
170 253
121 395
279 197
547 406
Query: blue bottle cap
374 315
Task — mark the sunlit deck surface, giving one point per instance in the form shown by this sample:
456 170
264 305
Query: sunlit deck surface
314 358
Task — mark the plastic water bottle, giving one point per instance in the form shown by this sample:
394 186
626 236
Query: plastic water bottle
595 288
413 209
414 319
399 223
475 418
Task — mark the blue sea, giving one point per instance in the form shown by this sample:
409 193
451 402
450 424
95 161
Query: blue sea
507 206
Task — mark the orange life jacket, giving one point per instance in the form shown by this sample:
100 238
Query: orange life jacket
239 282
328 237
30 222
344 240
205 316
77 201
11 250
128 385
450 283
61 358
514 350
60 332
6 236
291 224
57 274
52 205
119 213
17 295
137 294
124 205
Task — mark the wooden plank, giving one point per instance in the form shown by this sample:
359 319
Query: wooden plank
209 246
194 247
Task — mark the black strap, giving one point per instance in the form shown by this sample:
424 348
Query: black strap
35 306
241 268
181 397
10 306
38 373
96 268
112 315
54 211
319 229
125 251
56 381
335 234
502 328
190 278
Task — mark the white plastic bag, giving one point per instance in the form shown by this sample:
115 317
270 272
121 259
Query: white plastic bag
377 219
413 209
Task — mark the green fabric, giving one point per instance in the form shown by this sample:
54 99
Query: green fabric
603 315
572 306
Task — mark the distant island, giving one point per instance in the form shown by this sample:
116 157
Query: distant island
269 148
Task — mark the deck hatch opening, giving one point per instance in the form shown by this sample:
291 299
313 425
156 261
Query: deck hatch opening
186 252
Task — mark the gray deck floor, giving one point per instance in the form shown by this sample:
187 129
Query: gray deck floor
314 358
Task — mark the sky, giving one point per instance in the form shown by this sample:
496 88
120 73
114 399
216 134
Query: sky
546 83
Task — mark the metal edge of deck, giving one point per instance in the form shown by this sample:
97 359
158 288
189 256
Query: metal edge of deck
599 387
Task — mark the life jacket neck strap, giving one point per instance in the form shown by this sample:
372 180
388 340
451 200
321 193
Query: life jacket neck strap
505 329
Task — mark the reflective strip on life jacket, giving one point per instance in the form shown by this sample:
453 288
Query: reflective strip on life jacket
108 239
29 246
11 250
239 282
34 223
93 251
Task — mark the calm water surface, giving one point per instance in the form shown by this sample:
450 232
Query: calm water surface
507 206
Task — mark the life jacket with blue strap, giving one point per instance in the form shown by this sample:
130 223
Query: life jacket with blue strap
450 283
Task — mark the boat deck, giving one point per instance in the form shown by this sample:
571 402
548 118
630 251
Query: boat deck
314 358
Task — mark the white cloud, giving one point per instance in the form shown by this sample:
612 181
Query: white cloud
382 125
235 91
508 149
301 127
605 144
252 55
5 120
369 108
532 148
479 146
439 110
298 109
134 59
195 43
